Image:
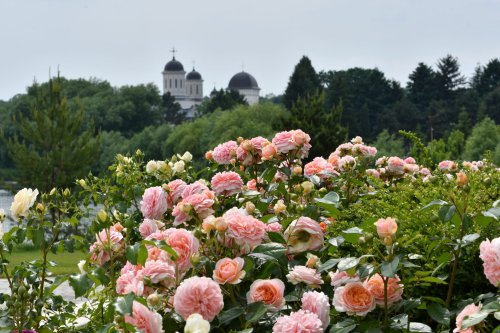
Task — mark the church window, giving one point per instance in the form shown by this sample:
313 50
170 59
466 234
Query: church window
170 83
176 83
196 90
191 90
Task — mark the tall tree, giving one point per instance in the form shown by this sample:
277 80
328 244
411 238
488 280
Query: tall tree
171 110
487 78
53 146
221 99
304 82
422 85
449 78
323 125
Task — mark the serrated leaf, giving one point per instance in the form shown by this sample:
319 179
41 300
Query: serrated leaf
123 305
255 311
439 313
80 284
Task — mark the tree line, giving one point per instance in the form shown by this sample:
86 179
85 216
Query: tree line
89 121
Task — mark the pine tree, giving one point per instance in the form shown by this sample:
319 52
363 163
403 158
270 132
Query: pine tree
52 145
304 82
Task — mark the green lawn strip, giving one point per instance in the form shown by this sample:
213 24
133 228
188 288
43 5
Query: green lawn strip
66 262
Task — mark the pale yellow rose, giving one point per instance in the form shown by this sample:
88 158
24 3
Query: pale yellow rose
23 201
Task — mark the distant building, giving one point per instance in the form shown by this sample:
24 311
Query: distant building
246 85
187 89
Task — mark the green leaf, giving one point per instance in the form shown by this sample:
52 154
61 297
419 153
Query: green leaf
345 326
80 284
446 212
331 197
389 269
467 222
276 237
101 275
225 317
37 236
255 311
439 313
433 279
474 319
468 239
123 305
142 254
435 203
132 252
274 250
328 265
347 263
419 328
248 330
336 241
352 235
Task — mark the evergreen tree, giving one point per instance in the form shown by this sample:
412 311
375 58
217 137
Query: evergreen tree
53 146
422 85
487 78
172 110
304 82
448 76
221 99
323 125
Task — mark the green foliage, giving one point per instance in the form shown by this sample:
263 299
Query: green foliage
484 136
52 141
171 109
221 99
389 145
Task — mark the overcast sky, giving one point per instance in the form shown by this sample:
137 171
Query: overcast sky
128 41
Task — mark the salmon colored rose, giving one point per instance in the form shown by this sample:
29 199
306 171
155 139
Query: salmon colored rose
375 285
229 271
269 292
386 227
354 299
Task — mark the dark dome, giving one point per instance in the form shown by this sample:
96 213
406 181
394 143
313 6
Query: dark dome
193 75
174 66
243 80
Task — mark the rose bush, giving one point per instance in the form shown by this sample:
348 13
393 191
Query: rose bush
345 244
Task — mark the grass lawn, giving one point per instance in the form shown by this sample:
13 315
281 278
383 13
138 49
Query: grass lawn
66 262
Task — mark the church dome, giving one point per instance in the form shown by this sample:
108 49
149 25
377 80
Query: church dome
242 80
193 75
174 66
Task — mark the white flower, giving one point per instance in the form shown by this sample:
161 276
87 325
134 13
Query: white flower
357 140
2 214
187 157
151 167
179 167
81 266
196 324
23 201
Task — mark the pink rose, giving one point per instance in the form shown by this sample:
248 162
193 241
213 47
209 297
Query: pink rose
225 152
489 252
317 303
198 295
309 276
372 172
395 166
229 271
346 163
375 285
362 150
344 149
159 271
154 203
467 311
447 166
340 278
354 299
144 319
175 189
269 151
295 140
300 321
386 227
304 234
334 159
320 167
108 240
185 244
409 160
199 203
148 227
244 229
269 292
274 227
195 188
226 183
130 282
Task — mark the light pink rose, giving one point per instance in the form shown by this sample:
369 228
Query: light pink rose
490 254
467 311
360 149
346 163
199 203
304 234
108 240
410 160
269 151
386 227
447 166
395 166
195 188
295 140
225 152
154 203
159 271
372 172
354 299
274 227
198 295
340 278
130 282
269 292
381 161
375 285
298 322
317 303
425 172
144 319
304 274
244 229
226 183
320 167
334 159
411 168
344 149
148 227
229 270
185 244
175 189
252 185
